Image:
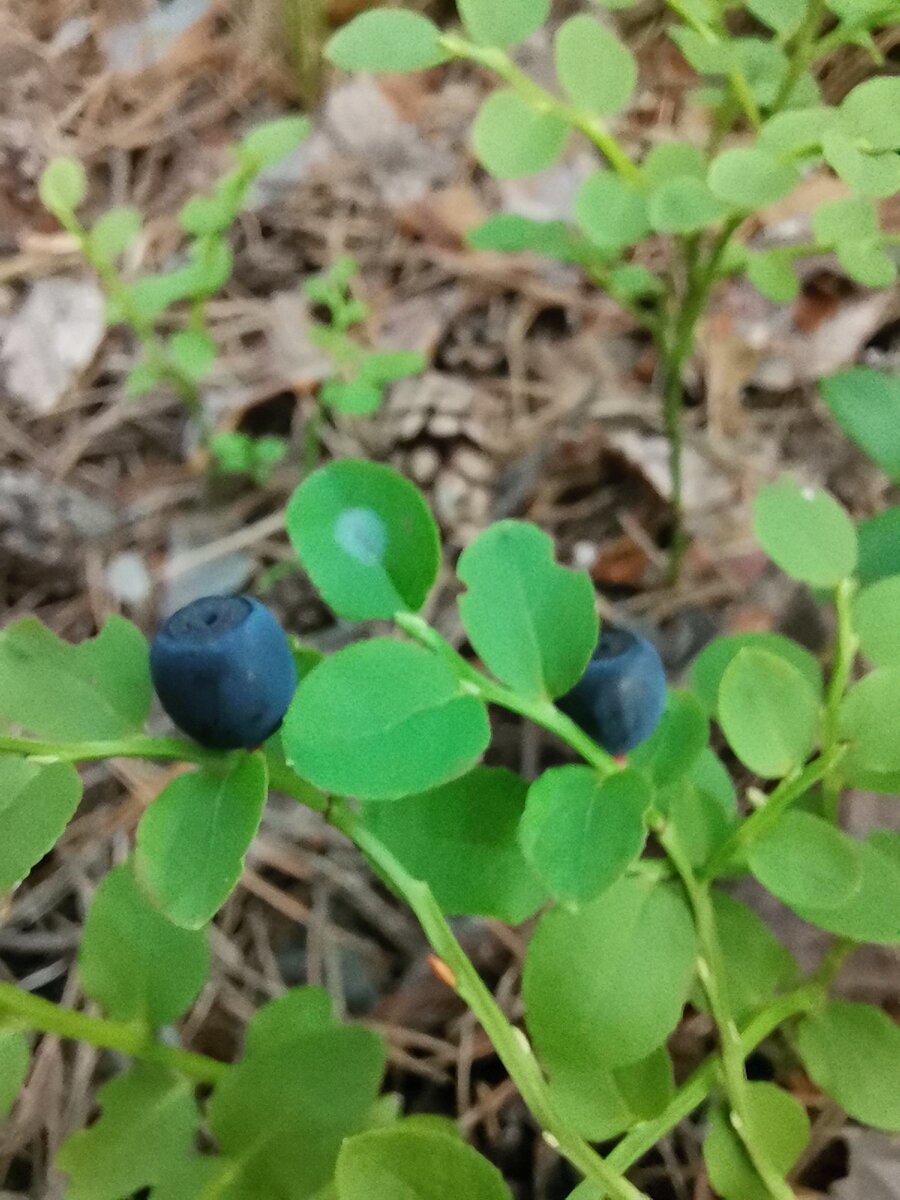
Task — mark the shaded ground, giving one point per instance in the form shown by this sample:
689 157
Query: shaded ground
539 402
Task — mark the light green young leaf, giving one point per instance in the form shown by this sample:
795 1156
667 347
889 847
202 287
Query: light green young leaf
683 205
806 861
635 282
797 130
502 22
871 112
385 367
763 63
296 1013
353 397
783 16
114 231
867 262
806 532
514 234
596 70
365 536
15 1059
142 378
710 665
707 58
511 139
192 353
750 177
383 719
866 405
98 689
37 801
676 744
272 141
868 721
580 833
852 1051
148 1118
875 618
385 1164
612 213
193 838
532 622
282 1113
205 216
879 546
462 840
853 217
673 160
768 712
125 941
778 1124
387 39
63 185
774 276
876 175
620 1001
872 913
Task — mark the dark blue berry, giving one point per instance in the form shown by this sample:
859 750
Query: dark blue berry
224 672
620 698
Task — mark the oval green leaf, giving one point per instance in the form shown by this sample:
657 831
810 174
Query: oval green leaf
806 532
532 622
806 861
683 205
868 720
713 661
596 70
366 538
37 801
417 1164
768 712
502 22
778 1125
875 616
866 405
381 720
387 39
676 744
612 213
511 139
15 1057
750 177
872 913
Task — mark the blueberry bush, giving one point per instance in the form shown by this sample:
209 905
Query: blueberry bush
623 865
768 127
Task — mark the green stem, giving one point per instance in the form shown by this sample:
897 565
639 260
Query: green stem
711 970
138 745
543 101
804 51
737 80
46 1017
761 822
540 712
845 653
510 1044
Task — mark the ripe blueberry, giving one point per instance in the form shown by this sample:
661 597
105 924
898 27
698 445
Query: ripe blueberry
224 671
620 698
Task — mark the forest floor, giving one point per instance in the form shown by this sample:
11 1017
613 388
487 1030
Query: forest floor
540 401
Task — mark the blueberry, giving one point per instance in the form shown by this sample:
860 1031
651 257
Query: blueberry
224 672
620 698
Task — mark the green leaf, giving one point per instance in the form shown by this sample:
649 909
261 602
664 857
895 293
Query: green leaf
835 221
142 378
872 112
783 16
272 141
867 262
707 58
604 1103
875 619
354 397
149 1118
879 546
757 965
768 712
872 913
806 861
612 213
37 801
193 838
673 160
381 720
389 366
63 185
676 744
511 234
205 216
15 1059
778 1124
748 177
624 997
806 532
683 205
114 231
503 22
869 722
700 810
710 665
282 1112
125 941
866 405
852 1051
800 129
763 64
596 70
635 282
387 39
365 536
581 833
531 621
461 839
774 276
876 175
192 353
511 139
278 1024
386 1164
94 691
